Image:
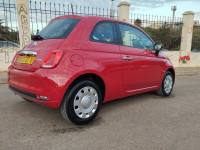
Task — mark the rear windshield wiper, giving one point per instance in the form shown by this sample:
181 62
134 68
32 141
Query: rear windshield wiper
37 37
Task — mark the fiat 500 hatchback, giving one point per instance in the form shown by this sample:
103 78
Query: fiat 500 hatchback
76 63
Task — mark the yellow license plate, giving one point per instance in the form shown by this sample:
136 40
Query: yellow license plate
25 59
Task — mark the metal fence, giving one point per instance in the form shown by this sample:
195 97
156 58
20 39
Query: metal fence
8 21
40 14
196 38
162 29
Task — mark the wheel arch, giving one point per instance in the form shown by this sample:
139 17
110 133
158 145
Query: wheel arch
90 76
172 71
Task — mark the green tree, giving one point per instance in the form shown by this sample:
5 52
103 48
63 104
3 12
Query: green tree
3 32
169 37
7 34
138 22
196 38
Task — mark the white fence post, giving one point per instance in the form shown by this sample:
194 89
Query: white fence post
187 30
23 22
186 58
123 11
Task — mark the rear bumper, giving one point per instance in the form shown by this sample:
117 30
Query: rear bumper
25 94
43 82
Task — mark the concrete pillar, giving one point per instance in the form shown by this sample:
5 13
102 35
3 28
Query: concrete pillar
123 11
23 22
187 30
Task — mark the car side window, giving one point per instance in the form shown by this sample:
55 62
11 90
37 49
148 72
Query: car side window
134 37
104 32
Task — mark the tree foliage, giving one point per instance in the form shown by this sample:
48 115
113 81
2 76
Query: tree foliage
7 34
167 35
170 36
196 38
138 22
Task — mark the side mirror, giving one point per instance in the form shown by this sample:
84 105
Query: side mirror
158 47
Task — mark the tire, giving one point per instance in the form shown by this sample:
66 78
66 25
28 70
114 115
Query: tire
166 86
82 103
27 100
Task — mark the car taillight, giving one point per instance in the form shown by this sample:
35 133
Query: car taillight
52 59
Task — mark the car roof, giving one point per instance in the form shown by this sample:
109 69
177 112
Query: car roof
99 18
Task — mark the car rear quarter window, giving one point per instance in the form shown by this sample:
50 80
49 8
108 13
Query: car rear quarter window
134 37
59 29
104 32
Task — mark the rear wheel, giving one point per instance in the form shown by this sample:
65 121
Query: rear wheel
82 103
167 85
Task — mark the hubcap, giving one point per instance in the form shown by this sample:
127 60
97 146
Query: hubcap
168 83
86 102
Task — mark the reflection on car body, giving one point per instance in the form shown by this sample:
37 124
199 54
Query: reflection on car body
80 62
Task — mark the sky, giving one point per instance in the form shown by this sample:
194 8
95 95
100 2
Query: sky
149 7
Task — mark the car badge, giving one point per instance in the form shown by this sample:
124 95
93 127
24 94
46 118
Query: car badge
34 43
39 59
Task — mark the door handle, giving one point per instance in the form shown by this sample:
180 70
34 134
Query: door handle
127 58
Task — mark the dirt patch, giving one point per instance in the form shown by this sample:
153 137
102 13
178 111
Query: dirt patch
76 128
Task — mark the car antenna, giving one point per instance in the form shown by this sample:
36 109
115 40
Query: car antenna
72 9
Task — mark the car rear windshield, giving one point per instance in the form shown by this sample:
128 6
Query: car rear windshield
59 29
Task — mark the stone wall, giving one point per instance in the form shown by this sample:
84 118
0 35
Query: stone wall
178 59
6 56
181 59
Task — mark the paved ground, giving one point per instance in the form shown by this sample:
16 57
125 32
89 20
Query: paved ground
141 122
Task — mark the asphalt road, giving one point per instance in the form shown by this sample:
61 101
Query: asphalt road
141 122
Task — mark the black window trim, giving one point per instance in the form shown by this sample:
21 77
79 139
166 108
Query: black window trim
117 34
120 36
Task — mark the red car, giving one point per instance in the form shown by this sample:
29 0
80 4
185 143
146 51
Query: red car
76 63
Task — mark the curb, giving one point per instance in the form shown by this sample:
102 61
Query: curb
3 77
187 73
3 81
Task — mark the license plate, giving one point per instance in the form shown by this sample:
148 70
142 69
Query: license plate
25 59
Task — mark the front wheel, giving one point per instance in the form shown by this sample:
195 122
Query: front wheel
82 103
167 85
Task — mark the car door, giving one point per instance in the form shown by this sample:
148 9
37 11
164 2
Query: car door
105 56
140 66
